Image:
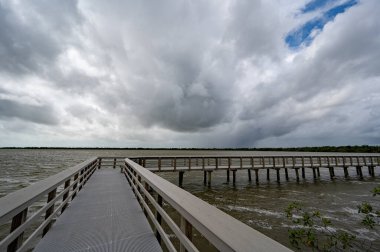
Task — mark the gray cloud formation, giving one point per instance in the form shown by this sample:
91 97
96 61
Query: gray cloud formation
186 73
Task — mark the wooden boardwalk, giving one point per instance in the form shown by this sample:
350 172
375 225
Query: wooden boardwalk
105 216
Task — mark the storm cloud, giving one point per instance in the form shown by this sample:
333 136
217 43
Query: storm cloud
189 73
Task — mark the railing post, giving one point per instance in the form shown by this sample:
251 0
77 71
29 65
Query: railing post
67 184
158 217
99 163
75 185
16 222
187 229
159 164
49 211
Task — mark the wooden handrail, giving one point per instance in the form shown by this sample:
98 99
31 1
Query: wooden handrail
14 206
223 231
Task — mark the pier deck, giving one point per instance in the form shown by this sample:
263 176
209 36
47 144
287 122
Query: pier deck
105 216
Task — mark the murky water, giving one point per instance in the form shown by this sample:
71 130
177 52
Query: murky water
260 206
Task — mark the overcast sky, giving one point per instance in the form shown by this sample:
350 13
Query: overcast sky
189 73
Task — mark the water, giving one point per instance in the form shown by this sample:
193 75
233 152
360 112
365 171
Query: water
259 206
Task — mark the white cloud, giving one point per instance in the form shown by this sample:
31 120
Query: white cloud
180 73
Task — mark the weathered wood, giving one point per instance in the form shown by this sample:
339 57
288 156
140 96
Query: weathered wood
257 175
16 222
158 217
297 174
303 172
180 178
359 169
66 195
187 229
204 177
314 173
209 178
249 175
286 174
268 174
345 169
278 175
50 210
234 176
220 229
228 175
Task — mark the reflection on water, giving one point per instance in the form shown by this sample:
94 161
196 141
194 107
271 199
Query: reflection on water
259 206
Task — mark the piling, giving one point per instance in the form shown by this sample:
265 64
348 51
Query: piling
257 175
297 174
209 178
345 172
286 174
249 175
180 178
268 174
278 175
234 176
314 173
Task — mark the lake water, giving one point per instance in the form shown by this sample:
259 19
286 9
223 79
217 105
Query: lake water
259 206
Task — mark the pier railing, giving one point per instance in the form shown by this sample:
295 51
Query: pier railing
58 190
208 164
220 229
169 163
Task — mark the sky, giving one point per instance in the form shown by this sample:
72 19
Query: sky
189 73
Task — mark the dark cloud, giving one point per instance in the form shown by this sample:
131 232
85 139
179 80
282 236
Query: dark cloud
42 114
188 73
33 34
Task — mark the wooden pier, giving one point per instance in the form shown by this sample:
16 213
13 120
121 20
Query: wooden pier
118 203
351 165
90 207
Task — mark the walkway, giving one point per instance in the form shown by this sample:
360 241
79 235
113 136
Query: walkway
105 216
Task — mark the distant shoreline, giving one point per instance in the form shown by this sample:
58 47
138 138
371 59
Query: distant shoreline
354 148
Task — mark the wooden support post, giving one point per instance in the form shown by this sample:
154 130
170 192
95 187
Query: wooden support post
373 171
369 171
209 178
318 172
249 175
241 163
189 163
99 163
228 175
67 184
286 174
187 229
159 164
50 210
360 172
257 175
17 220
331 170
75 185
303 172
180 178
229 163
175 164
233 177
216 163
204 177
268 174
278 175
314 173
345 171
158 217
297 174
114 163
203 163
